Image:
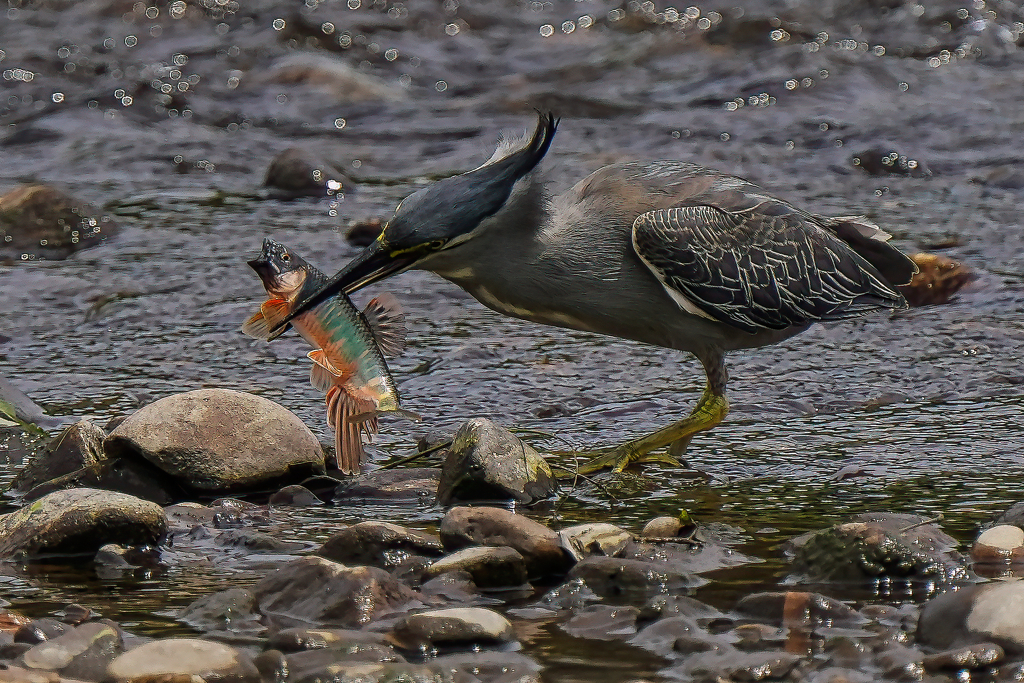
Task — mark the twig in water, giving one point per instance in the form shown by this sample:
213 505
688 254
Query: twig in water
417 455
937 518
584 477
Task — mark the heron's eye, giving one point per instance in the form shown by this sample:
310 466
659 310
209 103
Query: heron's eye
436 244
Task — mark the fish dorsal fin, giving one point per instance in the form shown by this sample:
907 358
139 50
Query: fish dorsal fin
258 328
387 322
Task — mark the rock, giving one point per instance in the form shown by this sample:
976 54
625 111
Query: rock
40 630
1000 546
343 664
977 656
133 477
38 221
16 674
231 610
413 483
216 440
183 659
467 626
707 556
80 521
678 634
83 652
334 76
1014 515
663 527
797 609
540 547
602 622
380 544
489 567
937 280
78 446
314 590
294 495
302 638
297 173
725 665
896 546
254 541
364 233
632 580
600 538
987 612
487 462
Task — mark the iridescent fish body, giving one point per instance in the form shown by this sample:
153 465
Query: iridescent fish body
348 347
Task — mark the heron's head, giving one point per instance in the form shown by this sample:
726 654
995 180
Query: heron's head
445 214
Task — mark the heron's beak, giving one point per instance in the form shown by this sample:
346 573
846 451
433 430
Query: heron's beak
371 265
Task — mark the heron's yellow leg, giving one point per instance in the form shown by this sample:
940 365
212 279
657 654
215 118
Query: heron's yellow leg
709 411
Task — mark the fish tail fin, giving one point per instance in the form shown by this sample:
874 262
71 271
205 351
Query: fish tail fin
258 327
342 409
387 323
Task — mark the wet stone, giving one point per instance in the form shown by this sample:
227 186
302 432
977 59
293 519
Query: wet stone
80 521
1003 544
380 544
256 541
662 527
44 222
181 659
295 172
599 538
678 634
633 580
294 495
602 622
466 626
303 638
737 666
797 609
78 446
540 546
17 674
40 630
489 567
216 440
416 484
364 233
487 462
880 545
988 612
83 652
314 590
232 610
316 666
975 656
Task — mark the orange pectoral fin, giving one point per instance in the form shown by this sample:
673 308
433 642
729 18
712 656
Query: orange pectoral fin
275 310
257 327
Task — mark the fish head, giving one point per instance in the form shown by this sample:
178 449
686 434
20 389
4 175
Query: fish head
282 272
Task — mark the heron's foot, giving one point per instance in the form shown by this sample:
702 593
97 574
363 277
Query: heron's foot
709 411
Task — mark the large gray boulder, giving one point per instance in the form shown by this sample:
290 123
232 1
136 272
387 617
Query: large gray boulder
487 462
79 521
219 440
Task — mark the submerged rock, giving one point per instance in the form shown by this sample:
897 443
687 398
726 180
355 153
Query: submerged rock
349 640
231 610
418 484
38 221
632 580
880 545
80 521
217 440
598 538
487 462
540 547
380 544
183 659
797 609
314 590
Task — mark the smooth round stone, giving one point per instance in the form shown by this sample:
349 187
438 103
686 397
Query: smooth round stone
173 657
1003 543
456 625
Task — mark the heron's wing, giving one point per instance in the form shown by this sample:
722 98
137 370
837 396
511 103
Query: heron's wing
766 266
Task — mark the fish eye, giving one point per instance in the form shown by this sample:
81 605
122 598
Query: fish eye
286 257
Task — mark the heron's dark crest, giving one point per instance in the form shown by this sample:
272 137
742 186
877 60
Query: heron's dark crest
455 206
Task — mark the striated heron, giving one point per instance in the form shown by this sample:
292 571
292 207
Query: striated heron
663 252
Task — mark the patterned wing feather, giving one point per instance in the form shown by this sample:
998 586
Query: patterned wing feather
764 267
